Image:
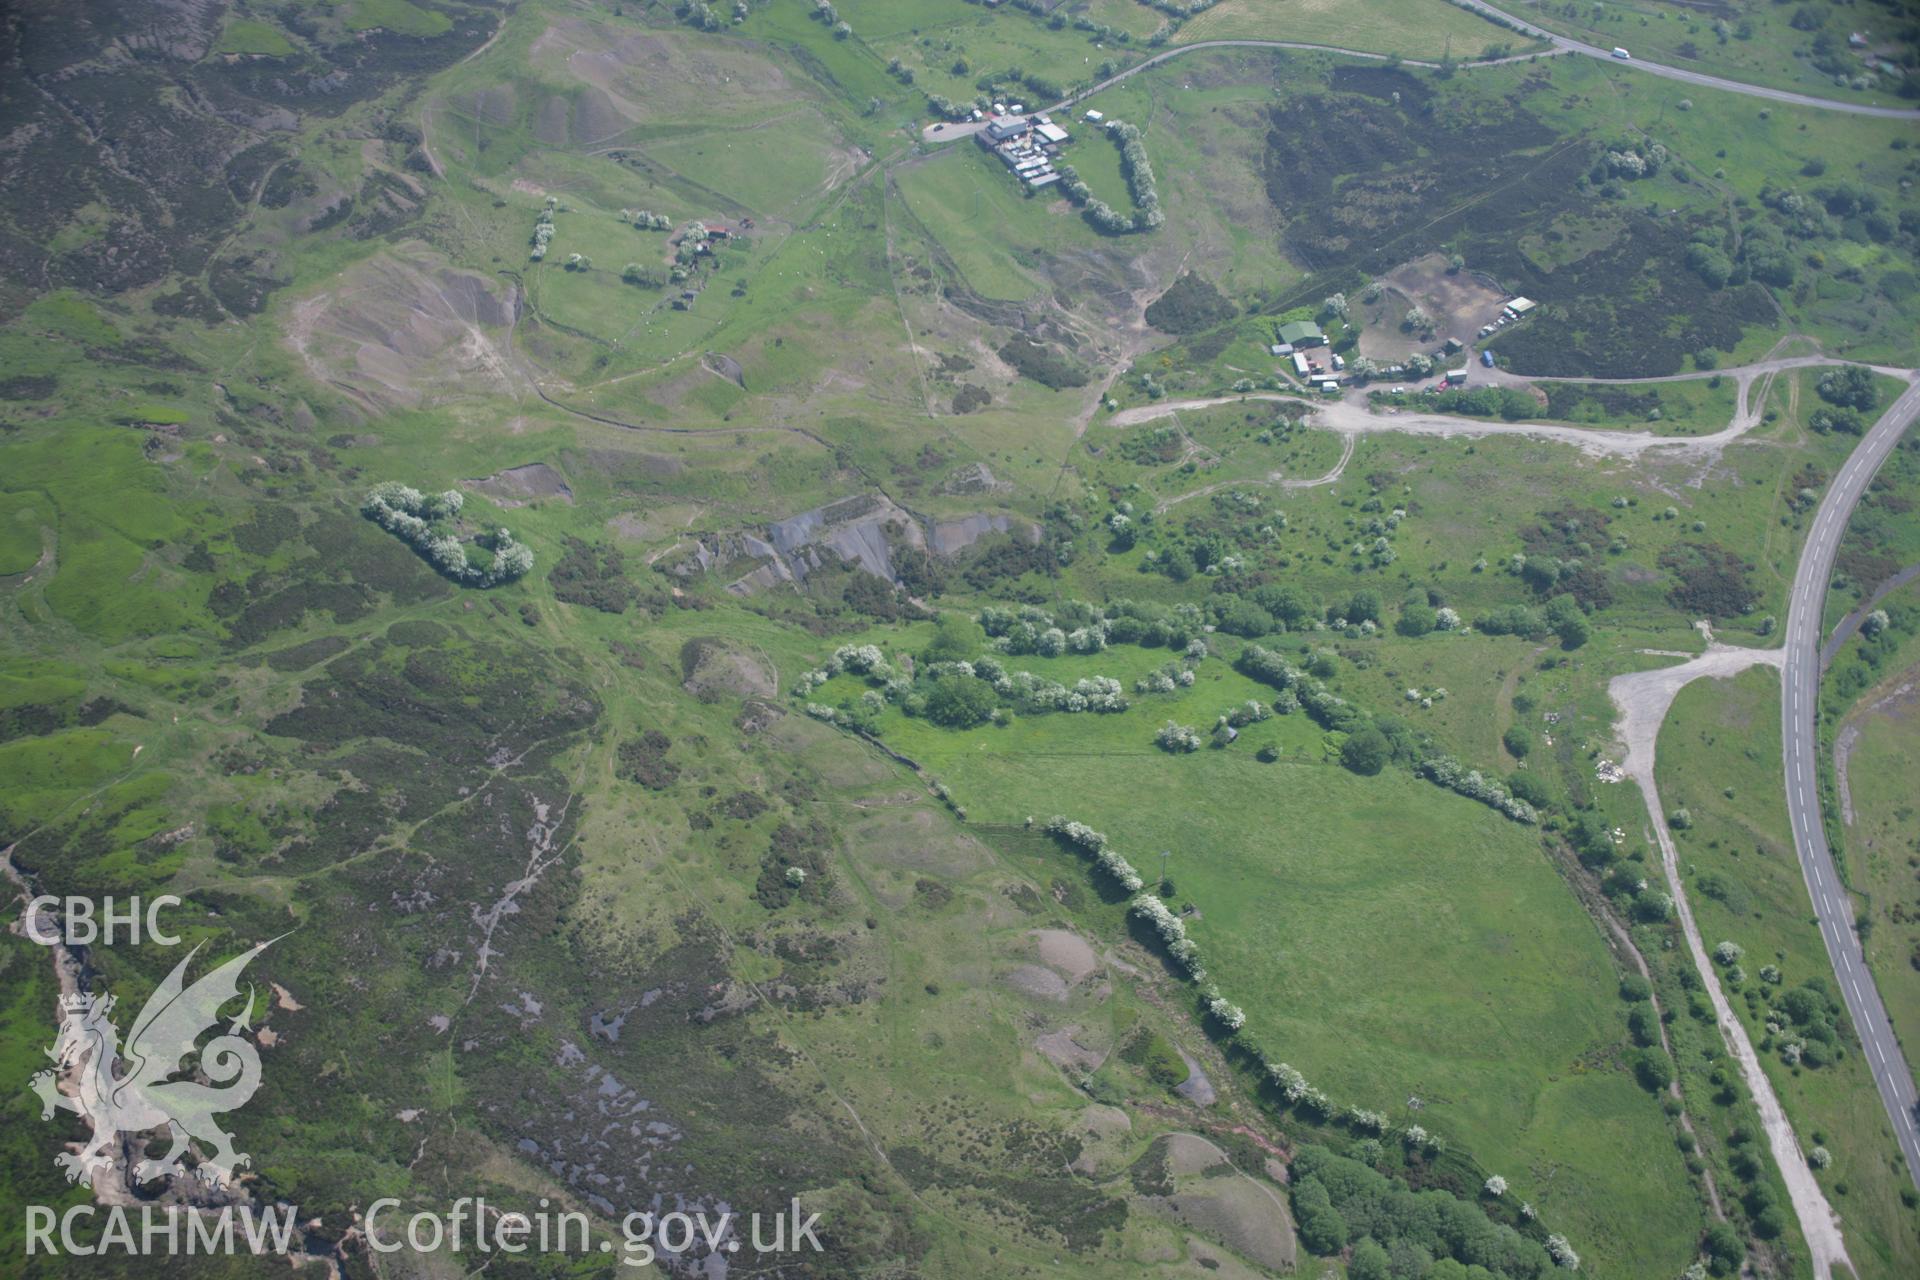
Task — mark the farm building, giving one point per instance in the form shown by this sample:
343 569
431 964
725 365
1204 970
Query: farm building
1315 361
1302 333
1519 307
1026 145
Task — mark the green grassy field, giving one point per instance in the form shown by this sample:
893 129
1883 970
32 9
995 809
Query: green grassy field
952 196
252 36
1880 840
397 16
21 515
1430 29
1297 886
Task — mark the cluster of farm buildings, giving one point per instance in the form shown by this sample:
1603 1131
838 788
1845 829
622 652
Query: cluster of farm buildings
1304 345
1026 144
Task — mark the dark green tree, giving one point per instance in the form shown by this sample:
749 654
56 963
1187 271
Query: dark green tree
1366 751
956 638
961 702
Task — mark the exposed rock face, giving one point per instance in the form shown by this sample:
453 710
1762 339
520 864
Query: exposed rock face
951 537
859 529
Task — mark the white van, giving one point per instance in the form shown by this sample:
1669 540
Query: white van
1620 53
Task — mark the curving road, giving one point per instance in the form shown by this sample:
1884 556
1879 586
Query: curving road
1566 44
1799 733
941 131
1352 418
947 132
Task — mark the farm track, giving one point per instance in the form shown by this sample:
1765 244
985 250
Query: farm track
1654 691
1272 478
1354 419
1643 698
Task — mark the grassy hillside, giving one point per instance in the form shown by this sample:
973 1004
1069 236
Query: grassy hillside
689 307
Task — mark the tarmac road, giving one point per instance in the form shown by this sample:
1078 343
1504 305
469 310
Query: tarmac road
945 132
1800 675
1566 44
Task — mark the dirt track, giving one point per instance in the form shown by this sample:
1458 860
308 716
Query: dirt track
1355 418
1643 698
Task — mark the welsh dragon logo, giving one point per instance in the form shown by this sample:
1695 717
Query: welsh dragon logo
128 1089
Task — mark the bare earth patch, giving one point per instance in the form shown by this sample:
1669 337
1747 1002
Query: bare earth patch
1459 302
1196 1088
1064 1051
406 329
1042 984
1067 953
711 665
517 486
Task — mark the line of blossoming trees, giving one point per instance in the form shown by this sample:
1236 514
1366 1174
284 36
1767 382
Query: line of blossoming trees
939 690
965 693
415 518
1141 185
1334 712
